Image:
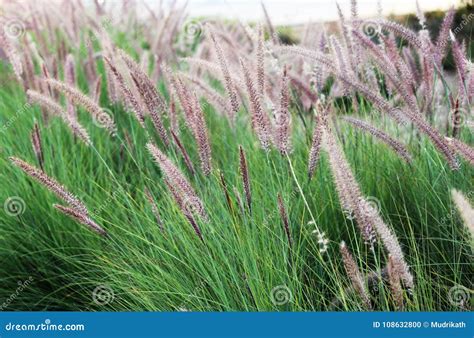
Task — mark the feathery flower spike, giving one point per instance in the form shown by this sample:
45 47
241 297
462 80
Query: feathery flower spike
462 149
394 281
37 147
51 184
154 209
352 271
260 120
179 181
130 98
202 137
282 116
184 207
465 209
398 147
260 56
49 104
315 150
80 99
245 177
229 83
81 218
70 79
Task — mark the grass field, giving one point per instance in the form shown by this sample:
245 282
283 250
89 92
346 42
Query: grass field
244 260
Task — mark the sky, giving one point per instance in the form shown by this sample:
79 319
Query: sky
301 11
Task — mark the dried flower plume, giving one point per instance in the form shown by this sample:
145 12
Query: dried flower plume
178 181
465 209
244 171
354 274
37 145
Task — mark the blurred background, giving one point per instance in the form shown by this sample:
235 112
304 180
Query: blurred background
287 12
289 16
